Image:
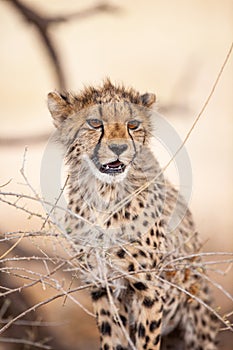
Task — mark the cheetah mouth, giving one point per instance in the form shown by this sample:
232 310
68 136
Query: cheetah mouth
116 167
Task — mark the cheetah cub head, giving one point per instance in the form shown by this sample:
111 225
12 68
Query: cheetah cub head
103 129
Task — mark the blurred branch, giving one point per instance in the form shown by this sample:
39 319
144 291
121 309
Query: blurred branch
43 23
23 140
25 342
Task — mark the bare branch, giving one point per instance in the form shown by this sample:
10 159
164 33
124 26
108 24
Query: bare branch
43 23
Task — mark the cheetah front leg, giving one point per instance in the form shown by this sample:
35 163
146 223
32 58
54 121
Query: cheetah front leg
112 320
146 295
147 309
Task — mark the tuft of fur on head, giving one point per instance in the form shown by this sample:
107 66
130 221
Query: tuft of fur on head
113 93
63 104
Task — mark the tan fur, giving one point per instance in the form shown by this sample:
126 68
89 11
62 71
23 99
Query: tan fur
125 205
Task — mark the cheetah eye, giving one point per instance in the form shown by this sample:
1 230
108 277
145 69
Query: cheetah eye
133 124
95 123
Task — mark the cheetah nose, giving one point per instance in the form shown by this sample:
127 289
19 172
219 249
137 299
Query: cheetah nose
118 149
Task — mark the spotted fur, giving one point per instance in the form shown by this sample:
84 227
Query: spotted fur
122 207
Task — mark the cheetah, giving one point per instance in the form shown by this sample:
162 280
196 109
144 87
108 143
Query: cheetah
145 293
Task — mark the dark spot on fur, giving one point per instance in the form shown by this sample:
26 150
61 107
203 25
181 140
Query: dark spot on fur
123 320
140 286
128 205
148 302
104 312
213 317
155 325
147 339
141 331
171 301
121 253
98 294
108 223
154 264
142 253
157 339
127 215
203 337
106 328
161 308
71 150
191 344
161 223
131 267
203 322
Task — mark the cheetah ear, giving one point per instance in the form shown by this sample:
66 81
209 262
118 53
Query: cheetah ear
59 106
148 99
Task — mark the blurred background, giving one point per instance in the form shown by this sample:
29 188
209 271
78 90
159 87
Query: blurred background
172 48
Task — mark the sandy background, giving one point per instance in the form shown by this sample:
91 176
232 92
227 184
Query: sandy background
173 48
